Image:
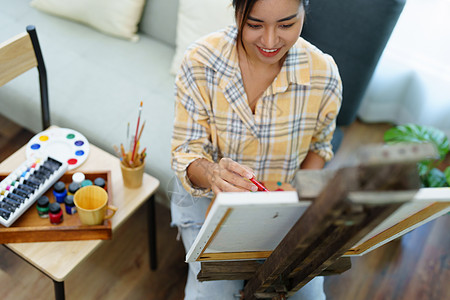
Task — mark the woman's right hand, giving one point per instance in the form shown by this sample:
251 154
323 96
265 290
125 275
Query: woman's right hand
230 176
224 176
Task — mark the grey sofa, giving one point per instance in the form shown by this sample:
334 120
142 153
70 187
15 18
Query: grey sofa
97 81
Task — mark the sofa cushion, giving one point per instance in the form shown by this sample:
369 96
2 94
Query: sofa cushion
116 17
197 18
159 20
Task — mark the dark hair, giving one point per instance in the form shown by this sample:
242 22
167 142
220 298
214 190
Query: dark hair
242 9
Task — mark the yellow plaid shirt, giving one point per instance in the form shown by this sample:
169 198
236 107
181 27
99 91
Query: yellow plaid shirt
213 119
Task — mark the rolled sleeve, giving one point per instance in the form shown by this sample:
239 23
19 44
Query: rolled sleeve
326 123
191 131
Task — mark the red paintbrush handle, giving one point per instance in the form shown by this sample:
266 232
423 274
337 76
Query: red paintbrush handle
259 185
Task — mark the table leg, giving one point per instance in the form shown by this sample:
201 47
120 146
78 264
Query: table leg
152 232
59 285
59 290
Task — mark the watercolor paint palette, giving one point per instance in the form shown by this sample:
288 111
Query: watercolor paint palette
63 144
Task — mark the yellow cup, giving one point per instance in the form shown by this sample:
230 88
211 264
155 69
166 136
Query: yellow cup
132 177
91 202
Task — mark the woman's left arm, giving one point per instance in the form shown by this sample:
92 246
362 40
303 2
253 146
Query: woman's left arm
313 161
320 149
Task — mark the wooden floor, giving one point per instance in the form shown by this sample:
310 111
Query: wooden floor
414 267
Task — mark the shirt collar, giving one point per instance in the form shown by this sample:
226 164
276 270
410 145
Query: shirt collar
223 59
295 69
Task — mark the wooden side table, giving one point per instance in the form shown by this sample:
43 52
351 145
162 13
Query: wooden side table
58 259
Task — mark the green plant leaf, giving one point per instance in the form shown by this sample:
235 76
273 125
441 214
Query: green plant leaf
436 178
424 167
447 174
418 134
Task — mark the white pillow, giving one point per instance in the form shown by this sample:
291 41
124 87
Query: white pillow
115 17
197 18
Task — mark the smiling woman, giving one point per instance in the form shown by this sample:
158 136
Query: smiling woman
253 101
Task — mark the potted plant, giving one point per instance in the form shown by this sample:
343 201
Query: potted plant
432 173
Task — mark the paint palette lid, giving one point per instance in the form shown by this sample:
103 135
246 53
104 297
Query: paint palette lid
61 143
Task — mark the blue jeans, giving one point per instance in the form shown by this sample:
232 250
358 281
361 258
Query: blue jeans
188 214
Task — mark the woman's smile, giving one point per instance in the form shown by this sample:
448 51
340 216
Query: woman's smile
268 52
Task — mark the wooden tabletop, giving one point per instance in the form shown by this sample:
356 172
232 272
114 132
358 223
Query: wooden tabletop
58 259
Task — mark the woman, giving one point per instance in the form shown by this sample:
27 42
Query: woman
252 101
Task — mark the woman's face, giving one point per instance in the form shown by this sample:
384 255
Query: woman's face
272 28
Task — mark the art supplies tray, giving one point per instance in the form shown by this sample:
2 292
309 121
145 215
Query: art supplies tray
32 228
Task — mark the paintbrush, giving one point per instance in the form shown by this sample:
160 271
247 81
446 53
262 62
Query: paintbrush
117 151
140 133
128 133
137 128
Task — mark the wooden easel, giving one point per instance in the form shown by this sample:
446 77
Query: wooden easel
337 219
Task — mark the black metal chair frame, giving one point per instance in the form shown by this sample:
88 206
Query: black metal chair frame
43 84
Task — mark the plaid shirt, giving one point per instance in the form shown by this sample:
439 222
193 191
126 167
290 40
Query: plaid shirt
213 119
